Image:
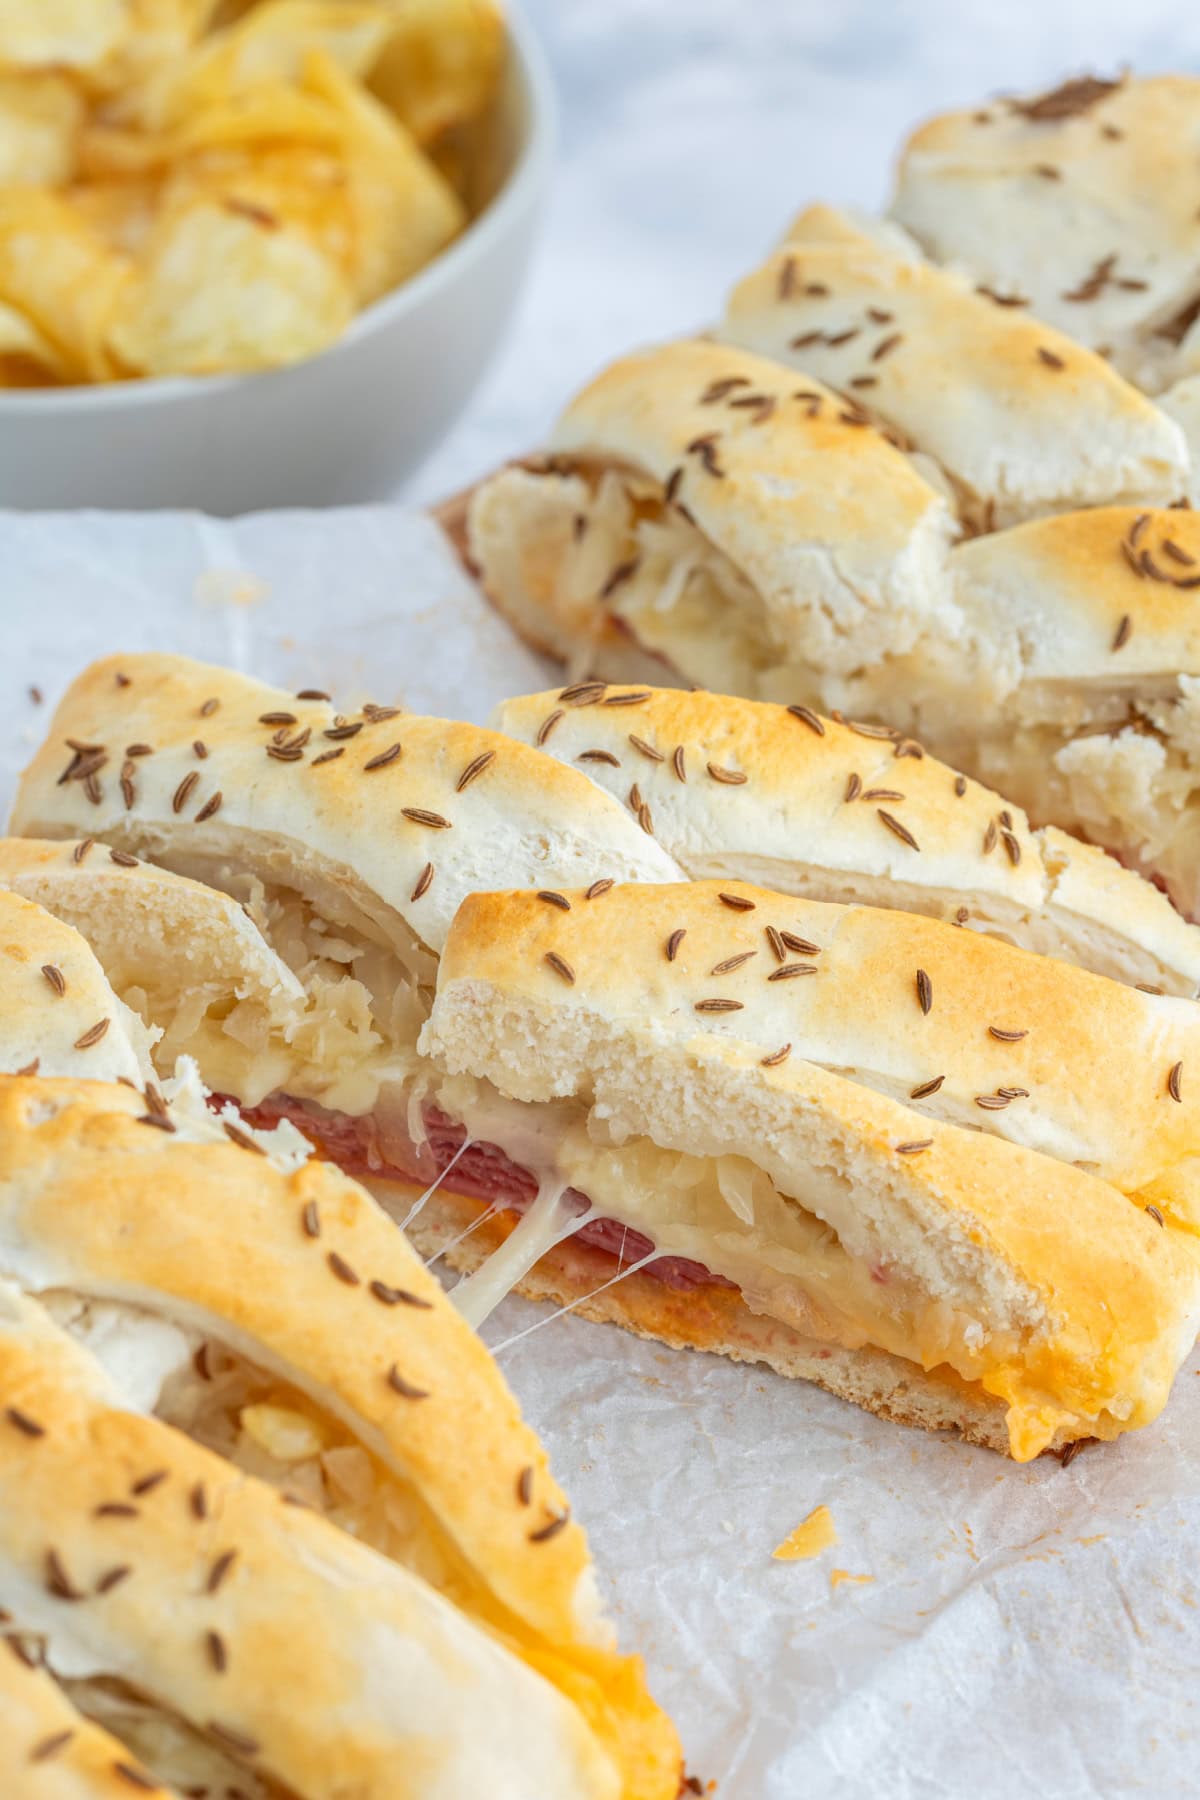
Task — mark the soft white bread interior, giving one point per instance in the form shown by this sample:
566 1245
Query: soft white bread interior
835 811
277 1316
853 1215
192 970
1073 688
1020 418
710 504
1078 203
221 1589
59 1014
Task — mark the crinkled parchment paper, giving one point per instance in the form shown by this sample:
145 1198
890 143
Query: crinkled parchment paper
1019 1631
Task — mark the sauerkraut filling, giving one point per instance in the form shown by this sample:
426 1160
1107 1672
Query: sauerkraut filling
350 1032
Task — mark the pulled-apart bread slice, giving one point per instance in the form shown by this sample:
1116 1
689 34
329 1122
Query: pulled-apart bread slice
348 842
1019 417
275 1316
705 507
914 1176
60 1014
1074 686
837 811
1079 204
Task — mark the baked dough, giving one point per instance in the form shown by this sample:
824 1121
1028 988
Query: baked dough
291 1284
983 1223
721 513
1079 203
1021 419
60 1015
794 802
1073 687
402 1680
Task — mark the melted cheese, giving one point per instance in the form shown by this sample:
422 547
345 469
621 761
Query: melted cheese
549 1220
726 1214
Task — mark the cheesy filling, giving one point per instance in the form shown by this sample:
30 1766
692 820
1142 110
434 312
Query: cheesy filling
779 1249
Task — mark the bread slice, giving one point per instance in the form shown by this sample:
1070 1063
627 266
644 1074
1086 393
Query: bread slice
1020 418
724 516
59 1013
401 1674
1073 204
829 810
944 1225
1073 689
272 1314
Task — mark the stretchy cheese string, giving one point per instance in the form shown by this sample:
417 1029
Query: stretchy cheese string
416 1206
465 1233
497 1349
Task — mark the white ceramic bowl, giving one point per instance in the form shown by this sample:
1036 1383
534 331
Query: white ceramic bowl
347 425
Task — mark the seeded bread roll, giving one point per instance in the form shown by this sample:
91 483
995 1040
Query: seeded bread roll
299 1274
711 505
51 1751
1079 203
1074 686
387 823
307 1657
1032 1279
844 812
1022 419
60 1014
1078 1068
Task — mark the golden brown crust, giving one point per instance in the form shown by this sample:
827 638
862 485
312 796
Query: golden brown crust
1021 417
284 1267
793 802
213 1616
1069 599
60 1015
1085 1301
51 1752
1077 201
891 999
370 832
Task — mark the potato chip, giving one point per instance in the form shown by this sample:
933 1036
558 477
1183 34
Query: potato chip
159 34
27 359
406 211
266 49
441 63
110 42
121 212
41 116
227 284
65 34
191 186
62 276
260 116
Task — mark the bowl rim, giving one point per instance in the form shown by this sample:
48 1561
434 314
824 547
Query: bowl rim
520 191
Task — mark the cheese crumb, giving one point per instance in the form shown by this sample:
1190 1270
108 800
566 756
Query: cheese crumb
809 1539
843 1578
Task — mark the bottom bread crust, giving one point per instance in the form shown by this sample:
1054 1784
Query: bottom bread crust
715 1319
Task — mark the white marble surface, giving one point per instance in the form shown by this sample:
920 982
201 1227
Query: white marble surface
692 129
